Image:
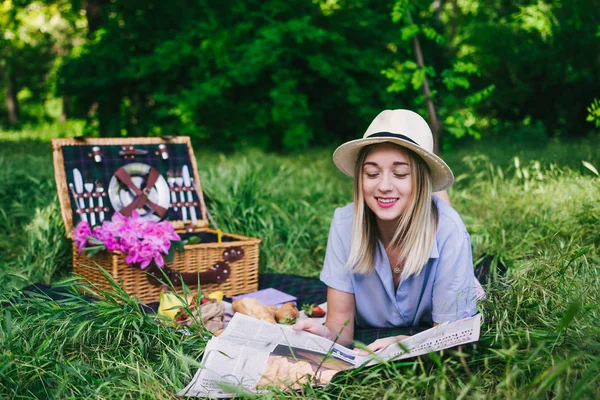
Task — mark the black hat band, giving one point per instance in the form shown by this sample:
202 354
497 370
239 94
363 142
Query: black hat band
394 135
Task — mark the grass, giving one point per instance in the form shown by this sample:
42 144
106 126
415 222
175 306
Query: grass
537 213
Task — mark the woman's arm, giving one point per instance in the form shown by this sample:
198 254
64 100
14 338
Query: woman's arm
454 296
340 318
340 315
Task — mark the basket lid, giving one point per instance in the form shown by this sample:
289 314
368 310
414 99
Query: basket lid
157 177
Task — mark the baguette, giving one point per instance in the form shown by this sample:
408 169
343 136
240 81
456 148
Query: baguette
253 308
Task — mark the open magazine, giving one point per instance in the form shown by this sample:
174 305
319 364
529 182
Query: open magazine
252 355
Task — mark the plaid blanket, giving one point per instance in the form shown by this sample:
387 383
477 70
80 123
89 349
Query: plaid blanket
307 290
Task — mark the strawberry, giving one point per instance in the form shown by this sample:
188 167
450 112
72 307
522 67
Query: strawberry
313 311
288 320
181 315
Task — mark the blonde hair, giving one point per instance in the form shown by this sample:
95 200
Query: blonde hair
416 229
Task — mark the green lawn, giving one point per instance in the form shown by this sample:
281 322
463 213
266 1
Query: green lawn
534 206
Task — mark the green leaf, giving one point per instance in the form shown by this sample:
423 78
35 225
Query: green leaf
398 10
462 81
408 64
448 80
436 358
93 250
418 78
466 68
590 167
171 254
95 241
569 315
456 131
407 32
193 240
432 34
479 96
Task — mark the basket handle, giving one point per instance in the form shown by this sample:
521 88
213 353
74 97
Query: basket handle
218 273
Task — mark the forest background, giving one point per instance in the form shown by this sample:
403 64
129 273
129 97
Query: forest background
295 74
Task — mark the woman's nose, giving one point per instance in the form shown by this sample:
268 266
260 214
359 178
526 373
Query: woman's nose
385 184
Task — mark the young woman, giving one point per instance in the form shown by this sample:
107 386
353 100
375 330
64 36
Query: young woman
398 255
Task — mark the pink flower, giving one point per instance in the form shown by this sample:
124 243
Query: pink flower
104 234
119 223
141 240
80 234
163 229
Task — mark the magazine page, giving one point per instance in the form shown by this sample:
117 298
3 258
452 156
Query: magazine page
251 355
443 336
228 369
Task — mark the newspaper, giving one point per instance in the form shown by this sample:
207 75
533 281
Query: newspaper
252 356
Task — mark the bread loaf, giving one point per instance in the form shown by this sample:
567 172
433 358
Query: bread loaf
253 308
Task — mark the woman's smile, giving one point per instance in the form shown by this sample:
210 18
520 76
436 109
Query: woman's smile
386 202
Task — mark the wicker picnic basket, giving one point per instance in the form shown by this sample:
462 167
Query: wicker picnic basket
226 262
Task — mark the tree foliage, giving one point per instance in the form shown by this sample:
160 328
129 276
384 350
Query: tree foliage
291 74
267 73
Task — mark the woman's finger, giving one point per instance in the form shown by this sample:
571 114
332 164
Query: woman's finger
373 347
302 324
310 325
379 344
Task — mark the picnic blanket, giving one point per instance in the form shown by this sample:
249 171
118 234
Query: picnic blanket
307 290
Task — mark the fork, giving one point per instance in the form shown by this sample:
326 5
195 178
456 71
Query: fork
89 187
171 182
100 191
179 182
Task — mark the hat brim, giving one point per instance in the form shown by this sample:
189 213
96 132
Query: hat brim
346 155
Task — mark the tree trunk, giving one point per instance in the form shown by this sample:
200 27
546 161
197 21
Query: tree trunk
93 13
454 17
64 116
12 102
433 120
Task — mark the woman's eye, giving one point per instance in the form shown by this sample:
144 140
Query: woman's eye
371 176
401 176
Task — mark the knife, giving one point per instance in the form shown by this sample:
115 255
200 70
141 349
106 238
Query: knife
188 183
78 179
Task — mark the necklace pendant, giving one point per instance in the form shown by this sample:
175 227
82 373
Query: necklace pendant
397 270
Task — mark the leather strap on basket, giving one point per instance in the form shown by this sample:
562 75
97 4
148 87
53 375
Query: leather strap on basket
142 194
218 273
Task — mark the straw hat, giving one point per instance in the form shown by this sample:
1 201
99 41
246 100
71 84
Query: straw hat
404 128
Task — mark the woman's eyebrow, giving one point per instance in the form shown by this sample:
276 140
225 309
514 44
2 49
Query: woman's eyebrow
395 163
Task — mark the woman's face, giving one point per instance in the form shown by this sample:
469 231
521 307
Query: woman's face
386 181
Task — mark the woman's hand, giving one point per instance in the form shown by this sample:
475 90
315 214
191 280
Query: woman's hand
312 326
380 344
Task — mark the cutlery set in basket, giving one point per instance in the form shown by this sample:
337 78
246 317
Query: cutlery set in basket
158 179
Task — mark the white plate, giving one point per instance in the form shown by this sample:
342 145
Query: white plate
121 195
